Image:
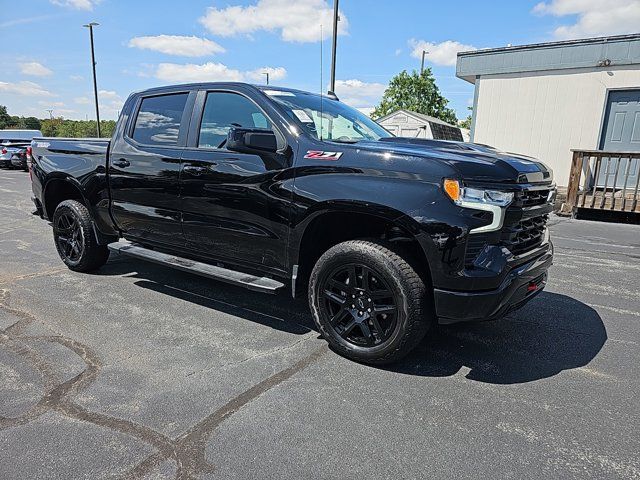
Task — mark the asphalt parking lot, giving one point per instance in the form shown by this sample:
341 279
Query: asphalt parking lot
143 372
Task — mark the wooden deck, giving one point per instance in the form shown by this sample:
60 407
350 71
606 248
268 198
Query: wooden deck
603 181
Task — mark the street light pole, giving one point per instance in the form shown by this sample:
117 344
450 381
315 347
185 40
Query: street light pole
424 52
267 74
336 18
93 64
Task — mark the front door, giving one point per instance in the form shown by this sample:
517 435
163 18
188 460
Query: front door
232 204
621 133
144 170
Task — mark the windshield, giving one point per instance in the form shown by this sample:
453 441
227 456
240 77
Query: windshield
327 119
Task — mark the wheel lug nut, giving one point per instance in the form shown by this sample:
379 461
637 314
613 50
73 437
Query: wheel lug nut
353 306
361 293
368 299
359 314
353 296
369 310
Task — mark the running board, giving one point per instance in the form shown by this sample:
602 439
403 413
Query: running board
252 282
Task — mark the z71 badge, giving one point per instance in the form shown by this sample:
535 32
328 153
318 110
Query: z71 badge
319 155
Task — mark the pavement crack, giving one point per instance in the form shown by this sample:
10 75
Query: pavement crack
257 355
187 450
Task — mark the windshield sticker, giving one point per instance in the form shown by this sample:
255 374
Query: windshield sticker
303 116
319 155
279 93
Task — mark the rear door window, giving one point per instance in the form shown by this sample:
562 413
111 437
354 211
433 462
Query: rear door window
158 119
222 110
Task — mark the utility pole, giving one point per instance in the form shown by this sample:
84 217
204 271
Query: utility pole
93 64
50 110
424 52
336 19
267 74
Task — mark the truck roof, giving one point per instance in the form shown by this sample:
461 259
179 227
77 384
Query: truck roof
206 85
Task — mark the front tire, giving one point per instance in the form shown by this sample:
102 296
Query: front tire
75 239
368 302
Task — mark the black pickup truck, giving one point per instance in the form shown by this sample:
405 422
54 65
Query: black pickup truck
267 188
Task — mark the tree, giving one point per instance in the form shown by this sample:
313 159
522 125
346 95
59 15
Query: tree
32 123
5 118
58 127
415 92
466 123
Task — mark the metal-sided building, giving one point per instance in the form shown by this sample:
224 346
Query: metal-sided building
550 100
405 123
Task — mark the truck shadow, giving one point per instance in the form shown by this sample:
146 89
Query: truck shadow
552 333
280 311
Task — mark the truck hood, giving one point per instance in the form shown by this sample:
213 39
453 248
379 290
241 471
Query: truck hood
472 161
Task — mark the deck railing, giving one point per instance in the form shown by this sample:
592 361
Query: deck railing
603 181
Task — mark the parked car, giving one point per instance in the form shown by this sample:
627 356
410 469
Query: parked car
267 187
15 148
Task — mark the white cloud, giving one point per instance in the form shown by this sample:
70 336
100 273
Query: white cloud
46 103
64 112
25 88
76 78
177 45
297 21
77 4
34 68
214 72
444 53
110 102
275 74
82 100
359 94
594 17
191 72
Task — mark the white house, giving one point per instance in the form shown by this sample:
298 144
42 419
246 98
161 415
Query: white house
405 123
546 99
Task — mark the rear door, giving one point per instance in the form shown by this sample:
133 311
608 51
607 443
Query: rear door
144 169
621 133
233 206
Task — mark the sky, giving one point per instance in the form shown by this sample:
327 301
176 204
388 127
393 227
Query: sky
45 53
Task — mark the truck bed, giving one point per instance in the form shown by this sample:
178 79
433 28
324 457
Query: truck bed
51 147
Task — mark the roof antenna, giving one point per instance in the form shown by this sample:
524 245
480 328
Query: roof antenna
321 85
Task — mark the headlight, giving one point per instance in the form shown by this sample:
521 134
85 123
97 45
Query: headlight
493 201
465 195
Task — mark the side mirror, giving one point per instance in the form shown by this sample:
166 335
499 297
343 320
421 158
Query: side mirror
251 140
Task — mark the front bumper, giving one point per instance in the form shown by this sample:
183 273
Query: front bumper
519 286
5 163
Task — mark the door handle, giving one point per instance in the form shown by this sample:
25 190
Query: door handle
194 170
121 163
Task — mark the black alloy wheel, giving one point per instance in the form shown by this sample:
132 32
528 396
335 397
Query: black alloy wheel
69 237
361 305
75 237
369 302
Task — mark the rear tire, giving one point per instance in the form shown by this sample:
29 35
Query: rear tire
368 302
75 239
